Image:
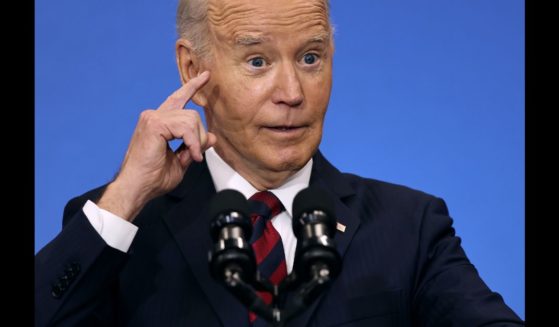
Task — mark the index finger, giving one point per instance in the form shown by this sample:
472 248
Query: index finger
180 97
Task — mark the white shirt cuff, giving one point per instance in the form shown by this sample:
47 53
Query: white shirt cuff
117 232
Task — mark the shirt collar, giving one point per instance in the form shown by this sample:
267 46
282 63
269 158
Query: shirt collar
225 177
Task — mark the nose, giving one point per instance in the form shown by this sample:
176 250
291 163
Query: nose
288 89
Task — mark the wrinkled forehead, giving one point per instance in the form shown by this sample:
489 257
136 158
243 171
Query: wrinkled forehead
234 19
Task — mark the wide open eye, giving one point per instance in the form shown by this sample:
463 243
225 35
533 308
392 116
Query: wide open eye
310 58
257 62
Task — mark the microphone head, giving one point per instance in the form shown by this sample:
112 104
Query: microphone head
314 225
310 200
222 205
227 201
230 228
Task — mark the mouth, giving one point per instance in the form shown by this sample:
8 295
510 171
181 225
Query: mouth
288 131
284 128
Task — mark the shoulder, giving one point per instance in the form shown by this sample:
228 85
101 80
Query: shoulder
373 195
393 200
387 191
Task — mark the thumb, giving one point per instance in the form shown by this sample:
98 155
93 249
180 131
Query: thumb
212 139
184 156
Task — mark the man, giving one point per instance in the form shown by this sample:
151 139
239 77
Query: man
134 252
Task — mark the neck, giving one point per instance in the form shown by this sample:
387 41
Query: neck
261 178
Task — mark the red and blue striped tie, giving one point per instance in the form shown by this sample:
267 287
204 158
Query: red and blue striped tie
267 245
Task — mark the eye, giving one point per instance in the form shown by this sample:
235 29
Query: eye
257 62
310 58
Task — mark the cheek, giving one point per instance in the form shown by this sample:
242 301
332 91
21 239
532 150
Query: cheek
235 109
318 94
242 100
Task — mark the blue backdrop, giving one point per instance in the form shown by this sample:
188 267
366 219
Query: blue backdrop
431 91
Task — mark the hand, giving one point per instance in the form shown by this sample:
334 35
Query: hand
150 167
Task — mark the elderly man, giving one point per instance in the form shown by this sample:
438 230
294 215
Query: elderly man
134 252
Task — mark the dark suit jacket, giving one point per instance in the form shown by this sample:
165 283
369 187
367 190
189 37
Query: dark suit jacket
402 264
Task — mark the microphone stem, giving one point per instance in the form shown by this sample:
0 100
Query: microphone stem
246 294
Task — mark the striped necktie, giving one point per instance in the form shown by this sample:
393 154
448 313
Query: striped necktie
267 245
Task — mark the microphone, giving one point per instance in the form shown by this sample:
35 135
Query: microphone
314 225
230 228
232 260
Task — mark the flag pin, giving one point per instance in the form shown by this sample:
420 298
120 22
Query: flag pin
340 227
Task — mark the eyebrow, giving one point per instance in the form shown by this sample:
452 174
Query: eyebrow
250 40
320 38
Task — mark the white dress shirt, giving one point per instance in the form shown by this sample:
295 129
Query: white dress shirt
119 233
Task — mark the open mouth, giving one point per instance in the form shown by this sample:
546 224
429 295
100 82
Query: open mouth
285 132
284 128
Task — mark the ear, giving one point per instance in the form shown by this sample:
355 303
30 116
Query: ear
189 67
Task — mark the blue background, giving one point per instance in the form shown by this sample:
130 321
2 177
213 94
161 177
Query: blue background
429 94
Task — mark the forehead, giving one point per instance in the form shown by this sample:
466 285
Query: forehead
235 19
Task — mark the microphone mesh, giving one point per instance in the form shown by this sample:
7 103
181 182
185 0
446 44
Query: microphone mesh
227 201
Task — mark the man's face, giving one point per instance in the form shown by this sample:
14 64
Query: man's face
271 75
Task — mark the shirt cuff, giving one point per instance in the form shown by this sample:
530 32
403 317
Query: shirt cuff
117 232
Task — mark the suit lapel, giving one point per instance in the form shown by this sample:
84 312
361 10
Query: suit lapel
188 222
331 180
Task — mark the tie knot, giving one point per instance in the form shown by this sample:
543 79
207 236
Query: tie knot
264 204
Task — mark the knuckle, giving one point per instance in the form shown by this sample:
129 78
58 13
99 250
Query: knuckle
149 117
192 114
146 115
190 124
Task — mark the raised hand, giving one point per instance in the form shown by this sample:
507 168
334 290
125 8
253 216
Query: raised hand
150 167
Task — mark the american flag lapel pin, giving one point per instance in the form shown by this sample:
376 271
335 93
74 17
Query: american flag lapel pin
340 227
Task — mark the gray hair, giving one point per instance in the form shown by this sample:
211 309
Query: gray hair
192 23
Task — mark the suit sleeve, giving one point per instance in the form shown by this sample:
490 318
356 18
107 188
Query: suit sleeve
450 291
76 274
